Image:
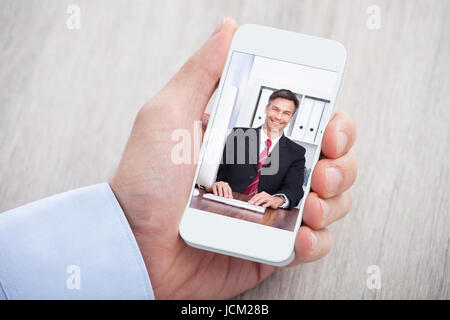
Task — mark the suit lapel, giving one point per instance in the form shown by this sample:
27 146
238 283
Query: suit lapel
280 146
267 171
258 135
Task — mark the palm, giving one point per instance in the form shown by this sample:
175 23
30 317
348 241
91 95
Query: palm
153 191
198 274
176 269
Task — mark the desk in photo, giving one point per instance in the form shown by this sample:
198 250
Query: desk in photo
278 218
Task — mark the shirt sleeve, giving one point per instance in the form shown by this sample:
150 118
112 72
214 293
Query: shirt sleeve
74 245
286 200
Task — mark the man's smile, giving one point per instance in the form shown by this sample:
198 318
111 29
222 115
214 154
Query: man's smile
276 123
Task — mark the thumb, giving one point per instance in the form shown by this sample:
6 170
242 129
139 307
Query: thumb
193 85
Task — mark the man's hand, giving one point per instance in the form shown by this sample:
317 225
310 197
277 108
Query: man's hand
266 200
221 188
153 191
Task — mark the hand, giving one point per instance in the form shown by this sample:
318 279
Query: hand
266 200
153 191
221 188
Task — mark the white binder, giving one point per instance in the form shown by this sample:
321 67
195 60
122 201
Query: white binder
260 115
301 122
314 120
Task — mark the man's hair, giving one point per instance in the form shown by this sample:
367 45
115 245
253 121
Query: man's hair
285 94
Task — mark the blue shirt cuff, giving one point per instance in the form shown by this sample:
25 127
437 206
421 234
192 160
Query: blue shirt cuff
74 245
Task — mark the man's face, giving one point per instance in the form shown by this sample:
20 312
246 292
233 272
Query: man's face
279 113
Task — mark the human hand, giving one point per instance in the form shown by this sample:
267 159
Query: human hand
221 188
153 191
266 200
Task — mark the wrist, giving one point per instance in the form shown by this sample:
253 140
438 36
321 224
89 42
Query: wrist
281 200
137 228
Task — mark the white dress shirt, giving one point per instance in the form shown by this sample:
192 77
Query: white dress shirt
262 145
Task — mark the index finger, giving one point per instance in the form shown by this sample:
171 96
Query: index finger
254 198
340 135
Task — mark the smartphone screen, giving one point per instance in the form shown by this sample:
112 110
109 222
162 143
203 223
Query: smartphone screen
264 140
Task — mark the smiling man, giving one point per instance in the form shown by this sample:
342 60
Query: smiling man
262 162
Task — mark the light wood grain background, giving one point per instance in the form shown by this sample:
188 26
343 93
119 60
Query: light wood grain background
68 100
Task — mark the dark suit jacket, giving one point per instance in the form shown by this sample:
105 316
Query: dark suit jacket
282 172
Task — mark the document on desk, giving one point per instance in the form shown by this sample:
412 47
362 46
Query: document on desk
234 203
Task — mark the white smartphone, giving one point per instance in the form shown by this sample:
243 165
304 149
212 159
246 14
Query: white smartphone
279 86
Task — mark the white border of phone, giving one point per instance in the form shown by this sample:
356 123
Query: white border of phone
240 238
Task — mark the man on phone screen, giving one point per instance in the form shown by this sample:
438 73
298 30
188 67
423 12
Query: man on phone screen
262 162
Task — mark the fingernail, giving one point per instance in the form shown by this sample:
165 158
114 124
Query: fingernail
333 178
219 27
342 140
325 211
313 241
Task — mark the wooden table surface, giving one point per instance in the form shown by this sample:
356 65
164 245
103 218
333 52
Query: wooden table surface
278 218
68 99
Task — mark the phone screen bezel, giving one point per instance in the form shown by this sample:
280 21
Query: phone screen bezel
239 238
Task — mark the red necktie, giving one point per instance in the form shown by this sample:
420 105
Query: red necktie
252 188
